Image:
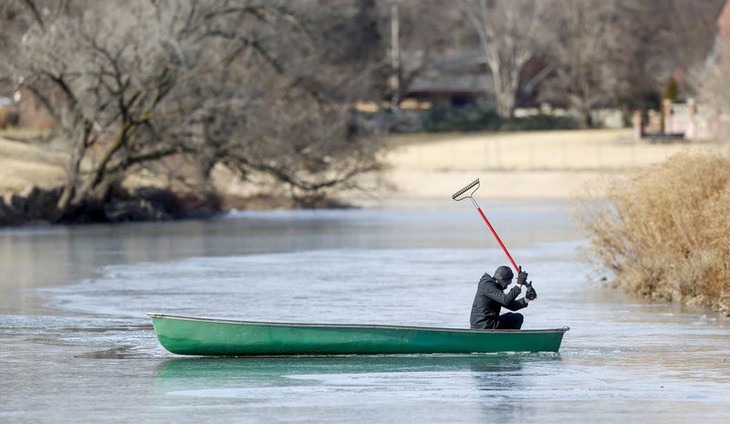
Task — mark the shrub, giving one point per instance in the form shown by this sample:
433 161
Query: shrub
665 231
468 119
540 122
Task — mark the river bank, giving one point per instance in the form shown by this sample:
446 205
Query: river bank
527 165
538 165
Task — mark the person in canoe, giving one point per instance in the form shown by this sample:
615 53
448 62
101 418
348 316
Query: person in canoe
490 298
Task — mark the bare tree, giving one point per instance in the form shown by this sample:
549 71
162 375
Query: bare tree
622 51
681 38
420 31
136 85
11 28
584 44
716 73
123 82
656 41
508 34
330 59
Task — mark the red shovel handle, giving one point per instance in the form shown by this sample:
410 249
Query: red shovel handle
514 265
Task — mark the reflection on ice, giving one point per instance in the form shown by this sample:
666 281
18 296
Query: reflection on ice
293 382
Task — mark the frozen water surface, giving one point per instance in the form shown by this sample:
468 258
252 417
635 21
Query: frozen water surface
77 346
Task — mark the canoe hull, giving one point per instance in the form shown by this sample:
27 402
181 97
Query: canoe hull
215 337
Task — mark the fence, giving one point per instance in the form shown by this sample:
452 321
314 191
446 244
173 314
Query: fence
545 151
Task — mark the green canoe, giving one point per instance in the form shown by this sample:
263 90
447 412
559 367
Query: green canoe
218 337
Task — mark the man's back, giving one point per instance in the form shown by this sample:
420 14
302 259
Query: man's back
488 303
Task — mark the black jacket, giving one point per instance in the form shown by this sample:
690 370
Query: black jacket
489 300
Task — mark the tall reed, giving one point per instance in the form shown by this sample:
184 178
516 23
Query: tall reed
665 231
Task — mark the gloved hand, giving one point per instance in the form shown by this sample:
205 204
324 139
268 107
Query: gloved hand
521 277
515 291
531 293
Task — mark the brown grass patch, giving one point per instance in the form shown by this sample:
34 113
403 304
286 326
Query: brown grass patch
666 231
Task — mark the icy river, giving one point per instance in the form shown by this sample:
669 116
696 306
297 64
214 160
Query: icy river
76 345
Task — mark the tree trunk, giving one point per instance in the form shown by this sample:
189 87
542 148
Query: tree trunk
505 104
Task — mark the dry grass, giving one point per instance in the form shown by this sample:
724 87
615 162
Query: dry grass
666 231
23 166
